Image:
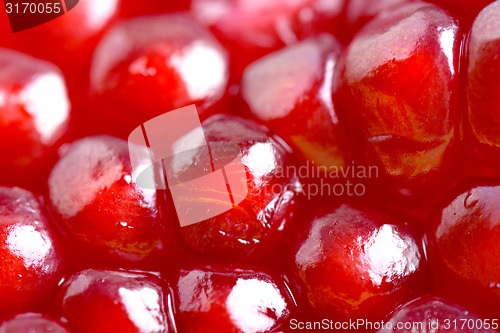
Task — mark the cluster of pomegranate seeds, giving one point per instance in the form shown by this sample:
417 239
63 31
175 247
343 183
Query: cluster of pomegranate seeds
251 29
75 34
341 171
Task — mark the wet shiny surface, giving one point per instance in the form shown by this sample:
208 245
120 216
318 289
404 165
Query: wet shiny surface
257 222
103 301
34 109
398 90
69 40
433 314
31 262
98 206
290 91
360 12
252 29
354 262
466 238
31 323
145 67
482 84
230 300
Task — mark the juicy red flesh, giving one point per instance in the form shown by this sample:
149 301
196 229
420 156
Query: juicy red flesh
398 89
252 29
147 66
31 323
255 226
465 247
103 301
33 117
31 261
69 40
88 183
294 100
482 84
357 263
234 300
434 314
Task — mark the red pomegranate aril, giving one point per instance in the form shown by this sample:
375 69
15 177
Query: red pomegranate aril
34 112
433 314
252 29
358 263
31 323
256 225
106 301
150 65
69 40
289 91
31 260
465 251
483 84
398 91
223 299
104 215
